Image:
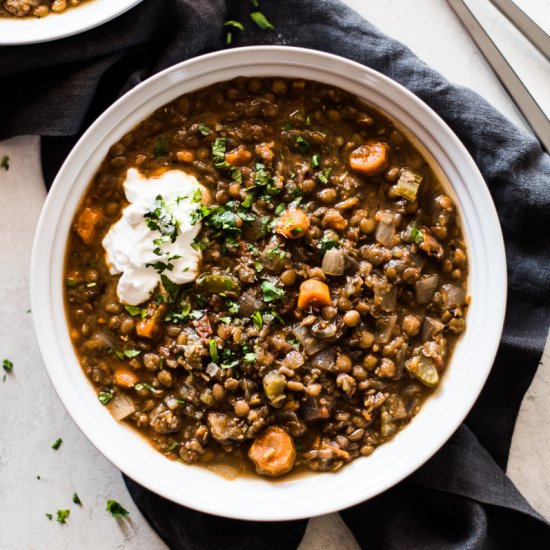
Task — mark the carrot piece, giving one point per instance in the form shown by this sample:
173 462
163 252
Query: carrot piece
370 159
152 324
87 222
264 151
185 155
273 452
239 156
293 223
313 293
125 378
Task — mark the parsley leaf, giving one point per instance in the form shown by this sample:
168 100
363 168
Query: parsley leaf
324 175
237 175
140 385
249 357
62 515
124 354
76 499
257 319
7 365
57 444
315 160
204 130
232 306
133 310
49 516
261 20
270 292
5 164
417 236
162 219
105 396
162 147
302 144
234 23
116 509
326 243
213 349
197 195
218 152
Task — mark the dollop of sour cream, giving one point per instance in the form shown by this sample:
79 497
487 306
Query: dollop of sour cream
154 237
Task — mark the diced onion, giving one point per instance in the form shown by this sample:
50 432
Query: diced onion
430 328
385 233
224 470
122 406
425 288
453 296
385 296
334 262
324 359
310 344
384 328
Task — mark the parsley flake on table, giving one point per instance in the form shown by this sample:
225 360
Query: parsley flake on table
116 509
49 516
76 499
261 20
7 365
57 443
233 24
63 515
5 163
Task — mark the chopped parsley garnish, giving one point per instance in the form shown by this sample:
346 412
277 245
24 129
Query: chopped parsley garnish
249 357
280 209
257 319
170 287
204 130
197 195
326 243
62 515
258 265
324 175
287 127
162 219
7 365
57 444
49 516
116 509
124 354
232 306
218 152
302 144
261 20
141 385
315 160
162 147
173 447
135 311
237 175
213 349
76 499
5 164
417 236
296 230
270 292
105 396
71 283
179 317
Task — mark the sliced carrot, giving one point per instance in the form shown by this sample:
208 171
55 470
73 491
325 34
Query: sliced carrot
264 151
313 293
151 326
87 222
293 223
370 159
159 171
273 452
125 378
185 155
239 156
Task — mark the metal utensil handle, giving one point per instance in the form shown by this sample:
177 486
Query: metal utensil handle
523 100
526 25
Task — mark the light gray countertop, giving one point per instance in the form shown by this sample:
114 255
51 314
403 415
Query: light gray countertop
35 479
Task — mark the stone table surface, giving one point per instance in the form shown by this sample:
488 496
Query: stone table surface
35 479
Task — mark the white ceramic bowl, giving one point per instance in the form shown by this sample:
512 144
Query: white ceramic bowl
247 497
29 30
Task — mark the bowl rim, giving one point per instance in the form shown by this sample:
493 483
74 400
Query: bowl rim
363 478
18 31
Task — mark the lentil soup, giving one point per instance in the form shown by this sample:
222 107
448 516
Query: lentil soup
35 8
265 273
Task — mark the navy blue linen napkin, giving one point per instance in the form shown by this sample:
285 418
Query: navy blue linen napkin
459 499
